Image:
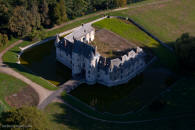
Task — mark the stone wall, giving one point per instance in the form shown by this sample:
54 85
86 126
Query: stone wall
123 69
96 69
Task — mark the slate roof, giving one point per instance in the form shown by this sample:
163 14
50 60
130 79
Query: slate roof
80 32
66 47
84 49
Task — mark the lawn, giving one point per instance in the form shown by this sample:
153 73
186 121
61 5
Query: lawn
12 40
62 117
167 20
8 85
133 34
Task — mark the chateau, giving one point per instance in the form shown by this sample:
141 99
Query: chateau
76 52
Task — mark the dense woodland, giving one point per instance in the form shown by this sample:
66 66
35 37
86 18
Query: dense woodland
27 18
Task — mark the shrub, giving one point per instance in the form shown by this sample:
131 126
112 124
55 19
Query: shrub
3 39
29 117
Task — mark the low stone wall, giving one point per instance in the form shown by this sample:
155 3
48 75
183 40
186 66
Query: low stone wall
36 44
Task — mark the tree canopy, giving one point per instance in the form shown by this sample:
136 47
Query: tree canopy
20 18
25 117
185 50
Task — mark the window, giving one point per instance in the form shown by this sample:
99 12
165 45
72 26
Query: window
88 72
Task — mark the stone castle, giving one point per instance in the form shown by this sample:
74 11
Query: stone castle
75 52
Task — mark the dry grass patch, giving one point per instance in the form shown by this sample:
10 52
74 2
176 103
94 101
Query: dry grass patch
108 43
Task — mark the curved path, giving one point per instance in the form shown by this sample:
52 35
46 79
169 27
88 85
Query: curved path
67 87
127 122
42 92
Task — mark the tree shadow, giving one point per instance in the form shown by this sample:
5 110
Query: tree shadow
64 71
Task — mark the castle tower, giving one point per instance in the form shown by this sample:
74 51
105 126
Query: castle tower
57 40
96 52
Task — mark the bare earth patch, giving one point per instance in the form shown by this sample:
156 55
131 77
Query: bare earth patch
108 43
26 97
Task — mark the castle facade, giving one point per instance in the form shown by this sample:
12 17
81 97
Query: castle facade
75 52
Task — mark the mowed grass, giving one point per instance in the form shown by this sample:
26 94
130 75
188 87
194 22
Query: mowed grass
64 118
8 85
12 40
166 20
130 32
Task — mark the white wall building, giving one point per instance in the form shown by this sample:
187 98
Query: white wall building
75 52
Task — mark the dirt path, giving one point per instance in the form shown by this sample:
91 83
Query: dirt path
42 92
68 86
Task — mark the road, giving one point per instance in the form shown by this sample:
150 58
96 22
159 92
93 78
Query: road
67 87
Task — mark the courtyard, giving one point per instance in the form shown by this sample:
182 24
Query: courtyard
111 45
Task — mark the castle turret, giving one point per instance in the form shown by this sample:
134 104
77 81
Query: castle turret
57 40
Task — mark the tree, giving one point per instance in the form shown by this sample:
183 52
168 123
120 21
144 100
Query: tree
24 19
58 12
185 50
120 3
27 116
62 9
34 17
1 37
44 10
19 22
5 14
4 39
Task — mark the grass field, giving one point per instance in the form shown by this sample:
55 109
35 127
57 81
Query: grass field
8 86
62 117
130 32
167 20
9 43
